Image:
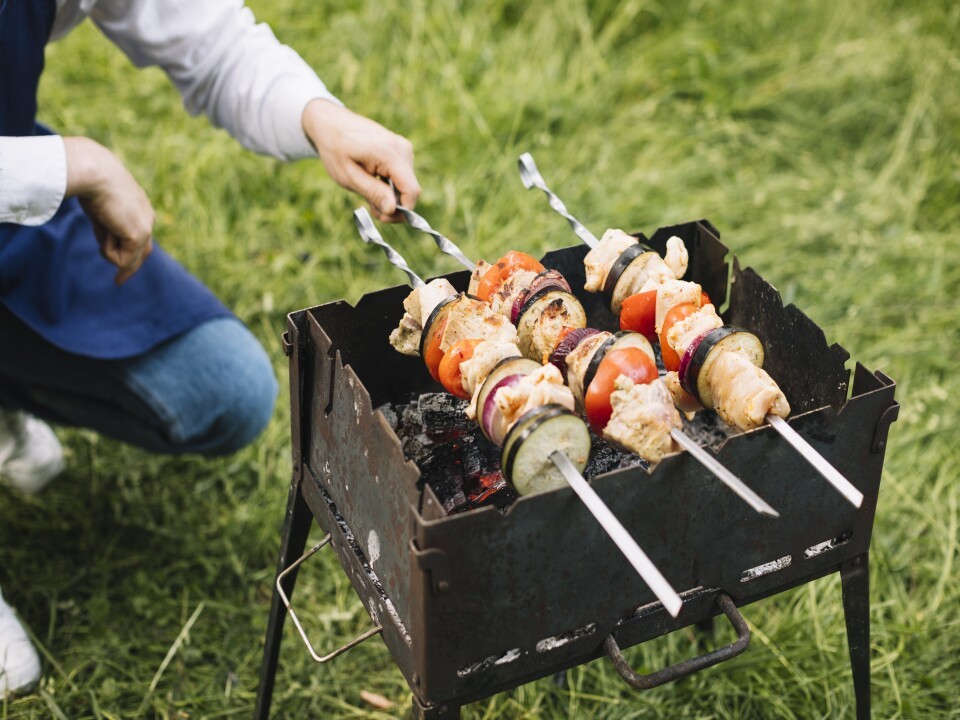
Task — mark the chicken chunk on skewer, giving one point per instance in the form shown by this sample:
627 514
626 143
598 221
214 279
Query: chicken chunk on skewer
417 308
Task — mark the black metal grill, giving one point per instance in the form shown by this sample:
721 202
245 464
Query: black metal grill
554 590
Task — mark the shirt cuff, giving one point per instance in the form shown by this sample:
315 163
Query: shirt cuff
293 94
33 178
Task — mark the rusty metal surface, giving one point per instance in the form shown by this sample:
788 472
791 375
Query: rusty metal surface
492 600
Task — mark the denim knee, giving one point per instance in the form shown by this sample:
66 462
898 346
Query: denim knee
245 403
213 389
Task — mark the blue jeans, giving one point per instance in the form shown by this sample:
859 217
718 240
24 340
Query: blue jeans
211 390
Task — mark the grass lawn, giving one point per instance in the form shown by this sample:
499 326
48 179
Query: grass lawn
822 138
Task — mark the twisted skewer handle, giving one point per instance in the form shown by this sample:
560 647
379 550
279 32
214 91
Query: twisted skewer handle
370 235
532 178
445 245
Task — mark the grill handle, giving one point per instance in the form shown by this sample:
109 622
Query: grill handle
376 630
685 667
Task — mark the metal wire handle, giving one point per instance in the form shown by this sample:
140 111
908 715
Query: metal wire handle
685 667
293 616
370 235
445 245
532 178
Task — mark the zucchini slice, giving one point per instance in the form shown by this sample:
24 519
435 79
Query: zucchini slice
628 338
595 362
544 315
633 253
525 460
437 314
728 337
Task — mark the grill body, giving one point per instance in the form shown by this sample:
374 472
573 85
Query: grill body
480 602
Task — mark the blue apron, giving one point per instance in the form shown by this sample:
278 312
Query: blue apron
52 277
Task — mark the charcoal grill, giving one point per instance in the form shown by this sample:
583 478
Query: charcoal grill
553 589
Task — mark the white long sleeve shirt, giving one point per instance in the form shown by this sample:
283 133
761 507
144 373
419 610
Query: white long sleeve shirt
221 61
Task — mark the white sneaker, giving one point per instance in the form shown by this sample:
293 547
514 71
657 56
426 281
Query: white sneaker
30 454
19 663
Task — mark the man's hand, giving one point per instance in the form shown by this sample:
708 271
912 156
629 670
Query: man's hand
361 155
117 206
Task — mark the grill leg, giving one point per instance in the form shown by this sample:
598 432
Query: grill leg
434 712
855 579
296 527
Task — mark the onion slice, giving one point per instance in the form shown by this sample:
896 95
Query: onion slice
491 420
566 346
552 279
683 372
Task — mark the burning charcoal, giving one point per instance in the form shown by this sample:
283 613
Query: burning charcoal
604 457
390 415
492 489
707 429
410 419
454 457
443 416
474 462
442 469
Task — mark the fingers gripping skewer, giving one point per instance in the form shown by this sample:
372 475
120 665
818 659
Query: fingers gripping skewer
532 178
830 473
371 236
445 245
628 546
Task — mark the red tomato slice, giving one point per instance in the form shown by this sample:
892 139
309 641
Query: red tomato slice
704 298
449 369
432 354
630 361
502 269
671 361
639 313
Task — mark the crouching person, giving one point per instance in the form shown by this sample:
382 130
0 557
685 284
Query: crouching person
99 327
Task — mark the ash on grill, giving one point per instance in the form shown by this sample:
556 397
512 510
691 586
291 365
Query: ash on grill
463 467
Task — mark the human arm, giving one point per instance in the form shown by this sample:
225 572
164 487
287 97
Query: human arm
235 71
359 154
33 178
37 173
117 206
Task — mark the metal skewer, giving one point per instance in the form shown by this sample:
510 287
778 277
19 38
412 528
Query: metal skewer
370 235
445 245
820 464
712 464
613 527
618 533
724 475
530 176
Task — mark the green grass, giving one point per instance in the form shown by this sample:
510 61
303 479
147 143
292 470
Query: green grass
822 138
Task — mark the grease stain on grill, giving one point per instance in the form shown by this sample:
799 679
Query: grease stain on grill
558 641
656 605
766 569
487 663
368 570
827 545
